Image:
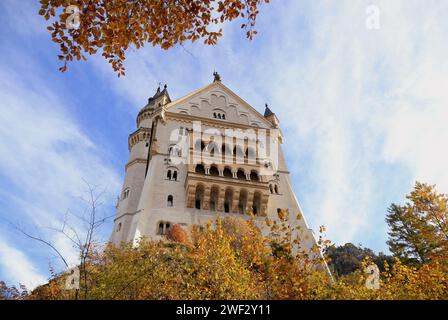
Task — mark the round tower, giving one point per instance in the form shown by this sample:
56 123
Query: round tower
139 145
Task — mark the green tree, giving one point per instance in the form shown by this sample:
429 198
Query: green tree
348 258
418 229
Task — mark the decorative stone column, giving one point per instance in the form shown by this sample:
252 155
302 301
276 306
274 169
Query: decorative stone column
234 174
235 201
190 196
207 170
250 201
206 204
264 204
221 199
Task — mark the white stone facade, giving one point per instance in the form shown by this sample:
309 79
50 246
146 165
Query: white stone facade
226 174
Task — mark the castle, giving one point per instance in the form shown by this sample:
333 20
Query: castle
204 155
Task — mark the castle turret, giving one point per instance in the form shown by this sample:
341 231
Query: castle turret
135 169
271 117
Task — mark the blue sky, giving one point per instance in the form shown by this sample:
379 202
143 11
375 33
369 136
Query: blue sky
363 113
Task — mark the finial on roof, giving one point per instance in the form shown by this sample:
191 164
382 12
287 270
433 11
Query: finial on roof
216 77
267 111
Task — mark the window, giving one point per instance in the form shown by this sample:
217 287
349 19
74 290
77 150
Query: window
199 146
160 231
171 175
183 131
271 188
199 169
227 173
119 227
214 171
276 189
219 114
175 151
125 194
254 176
199 196
163 228
240 174
169 201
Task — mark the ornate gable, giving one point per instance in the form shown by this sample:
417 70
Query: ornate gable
216 101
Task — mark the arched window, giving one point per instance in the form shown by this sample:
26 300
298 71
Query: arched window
219 114
271 188
251 154
214 171
199 196
214 198
254 175
199 146
125 194
175 151
169 201
228 198
168 175
175 175
163 228
119 227
226 149
276 189
200 169
256 205
240 174
238 152
227 172
242 202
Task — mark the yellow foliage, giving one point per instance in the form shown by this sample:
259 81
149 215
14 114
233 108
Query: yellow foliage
231 259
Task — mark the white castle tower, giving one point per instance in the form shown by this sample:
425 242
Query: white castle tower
204 155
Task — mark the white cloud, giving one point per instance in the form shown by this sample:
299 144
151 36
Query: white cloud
18 267
45 159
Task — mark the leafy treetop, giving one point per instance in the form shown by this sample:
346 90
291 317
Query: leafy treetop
114 26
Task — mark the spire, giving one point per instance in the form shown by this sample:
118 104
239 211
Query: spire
267 111
151 101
